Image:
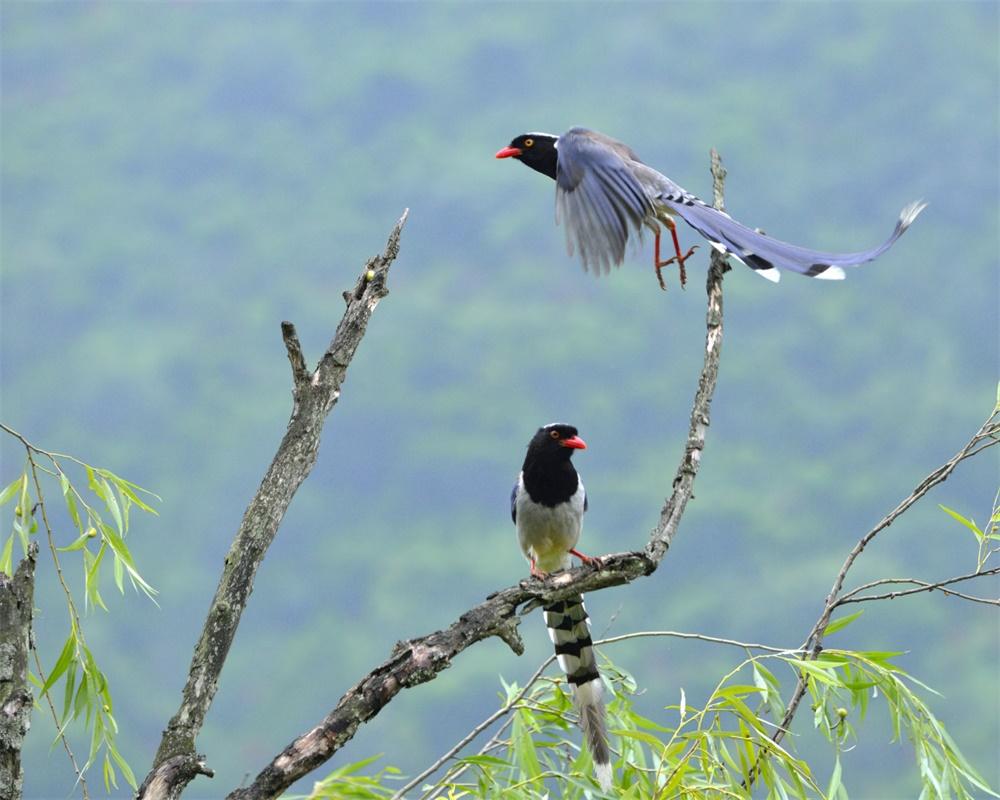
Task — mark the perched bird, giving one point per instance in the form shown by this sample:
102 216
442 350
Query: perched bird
547 506
604 194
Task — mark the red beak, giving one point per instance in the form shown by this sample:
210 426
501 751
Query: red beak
574 442
507 152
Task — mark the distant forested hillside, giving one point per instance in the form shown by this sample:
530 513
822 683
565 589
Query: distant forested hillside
179 178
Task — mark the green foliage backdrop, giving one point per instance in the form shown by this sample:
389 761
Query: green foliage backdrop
178 178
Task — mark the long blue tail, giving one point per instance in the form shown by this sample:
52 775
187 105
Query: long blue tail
766 255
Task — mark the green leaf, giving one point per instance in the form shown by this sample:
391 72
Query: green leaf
77 544
833 789
68 693
12 488
70 499
65 657
968 523
815 670
112 504
524 746
841 622
7 556
125 768
484 760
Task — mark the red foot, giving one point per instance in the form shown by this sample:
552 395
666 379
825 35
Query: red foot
536 572
590 561
659 264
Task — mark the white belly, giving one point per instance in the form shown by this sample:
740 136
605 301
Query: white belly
546 534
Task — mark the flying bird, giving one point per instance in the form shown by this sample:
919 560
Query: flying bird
547 506
605 194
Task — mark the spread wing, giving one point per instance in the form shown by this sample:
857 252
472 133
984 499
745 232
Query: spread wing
599 200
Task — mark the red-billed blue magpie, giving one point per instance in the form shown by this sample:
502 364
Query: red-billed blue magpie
604 194
547 506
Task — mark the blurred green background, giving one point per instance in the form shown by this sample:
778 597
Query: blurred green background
180 177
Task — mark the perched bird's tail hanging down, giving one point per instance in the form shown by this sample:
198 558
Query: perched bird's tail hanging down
568 629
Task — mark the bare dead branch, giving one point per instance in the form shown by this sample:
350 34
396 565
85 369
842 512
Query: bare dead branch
300 374
420 660
16 610
176 762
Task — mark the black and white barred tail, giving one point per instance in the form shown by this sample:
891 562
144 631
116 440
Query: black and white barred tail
568 629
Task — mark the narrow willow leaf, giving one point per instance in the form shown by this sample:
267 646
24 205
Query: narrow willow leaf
70 498
833 789
125 489
77 544
842 622
7 556
814 670
24 504
119 575
743 710
524 746
117 544
640 736
68 692
82 700
13 488
110 780
484 760
760 683
65 657
968 523
112 505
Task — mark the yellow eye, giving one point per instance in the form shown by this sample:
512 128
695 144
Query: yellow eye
554 434
530 143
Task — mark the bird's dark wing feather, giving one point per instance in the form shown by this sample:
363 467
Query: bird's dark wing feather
513 504
598 199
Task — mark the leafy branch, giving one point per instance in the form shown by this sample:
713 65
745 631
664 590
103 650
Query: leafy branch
987 436
86 693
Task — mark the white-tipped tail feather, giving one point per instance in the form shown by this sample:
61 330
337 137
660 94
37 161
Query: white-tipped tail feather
589 698
567 625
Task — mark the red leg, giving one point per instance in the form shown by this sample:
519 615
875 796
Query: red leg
678 256
680 259
656 262
590 561
536 572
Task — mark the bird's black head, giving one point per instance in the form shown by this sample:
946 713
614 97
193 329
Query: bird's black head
537 150
554 442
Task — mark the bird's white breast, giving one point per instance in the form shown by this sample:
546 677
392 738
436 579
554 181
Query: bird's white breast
546 533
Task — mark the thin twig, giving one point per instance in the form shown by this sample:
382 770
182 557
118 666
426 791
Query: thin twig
700 637
61 735
814 640
507 708
924 586
475 731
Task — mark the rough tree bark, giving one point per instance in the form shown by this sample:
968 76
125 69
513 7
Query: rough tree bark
420 660
314 394
16 596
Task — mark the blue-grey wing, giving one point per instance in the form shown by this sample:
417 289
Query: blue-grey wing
599 201
766 255
513 504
